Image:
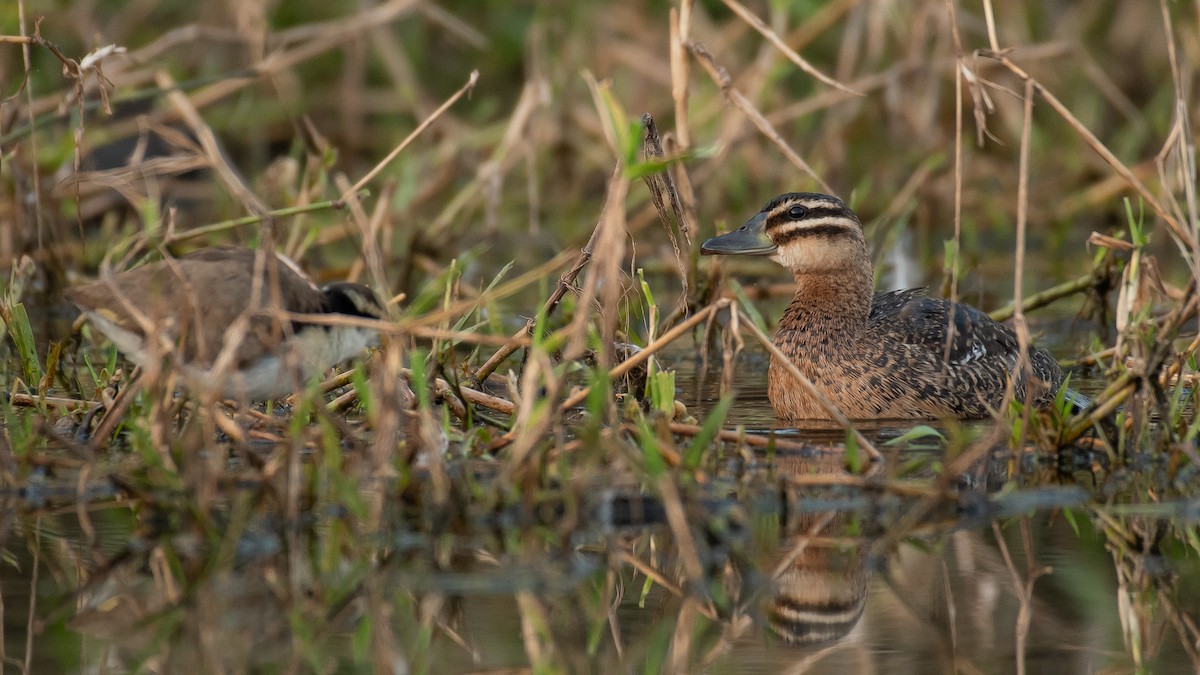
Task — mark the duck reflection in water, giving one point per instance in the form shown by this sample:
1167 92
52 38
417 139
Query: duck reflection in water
819 577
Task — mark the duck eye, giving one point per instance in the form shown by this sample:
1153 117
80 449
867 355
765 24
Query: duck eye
797 212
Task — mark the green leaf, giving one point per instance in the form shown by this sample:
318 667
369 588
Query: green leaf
853 457
662 394
1069 516
751 310
22 336
651 457
708 431
916 433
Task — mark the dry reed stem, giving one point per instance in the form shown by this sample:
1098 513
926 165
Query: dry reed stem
1184 143
899 487
535 632
175 237
651 573
533 416
511 148
1104 407
680 19
449 393
763 29
316 38
1128 382
27 67
952 289
753 440
500 405
625 366
497 292
350 202
372 255
33 401
721 78
1022 370
811 389
663 191
679 653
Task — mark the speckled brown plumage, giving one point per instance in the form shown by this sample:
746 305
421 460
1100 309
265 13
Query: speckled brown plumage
898 354
193 300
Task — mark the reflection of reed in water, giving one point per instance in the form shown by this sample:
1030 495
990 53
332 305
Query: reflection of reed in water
820 581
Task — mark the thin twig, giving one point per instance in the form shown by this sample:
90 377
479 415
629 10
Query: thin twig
466 88
765 30
721 77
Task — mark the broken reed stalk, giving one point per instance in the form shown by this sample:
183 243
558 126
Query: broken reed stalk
811 389
663 191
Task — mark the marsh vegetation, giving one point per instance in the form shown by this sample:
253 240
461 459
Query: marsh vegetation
562 457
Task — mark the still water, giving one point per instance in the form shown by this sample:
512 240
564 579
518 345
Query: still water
777 562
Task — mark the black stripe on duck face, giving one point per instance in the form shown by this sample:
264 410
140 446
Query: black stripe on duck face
827 231
782 216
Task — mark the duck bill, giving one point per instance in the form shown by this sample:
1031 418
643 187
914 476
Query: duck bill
749 239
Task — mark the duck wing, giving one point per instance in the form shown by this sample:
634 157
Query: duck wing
959 336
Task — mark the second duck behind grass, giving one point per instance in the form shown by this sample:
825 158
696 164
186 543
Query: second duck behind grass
893 355
196 298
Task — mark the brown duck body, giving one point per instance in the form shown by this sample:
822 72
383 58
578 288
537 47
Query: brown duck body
888 355
190 303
